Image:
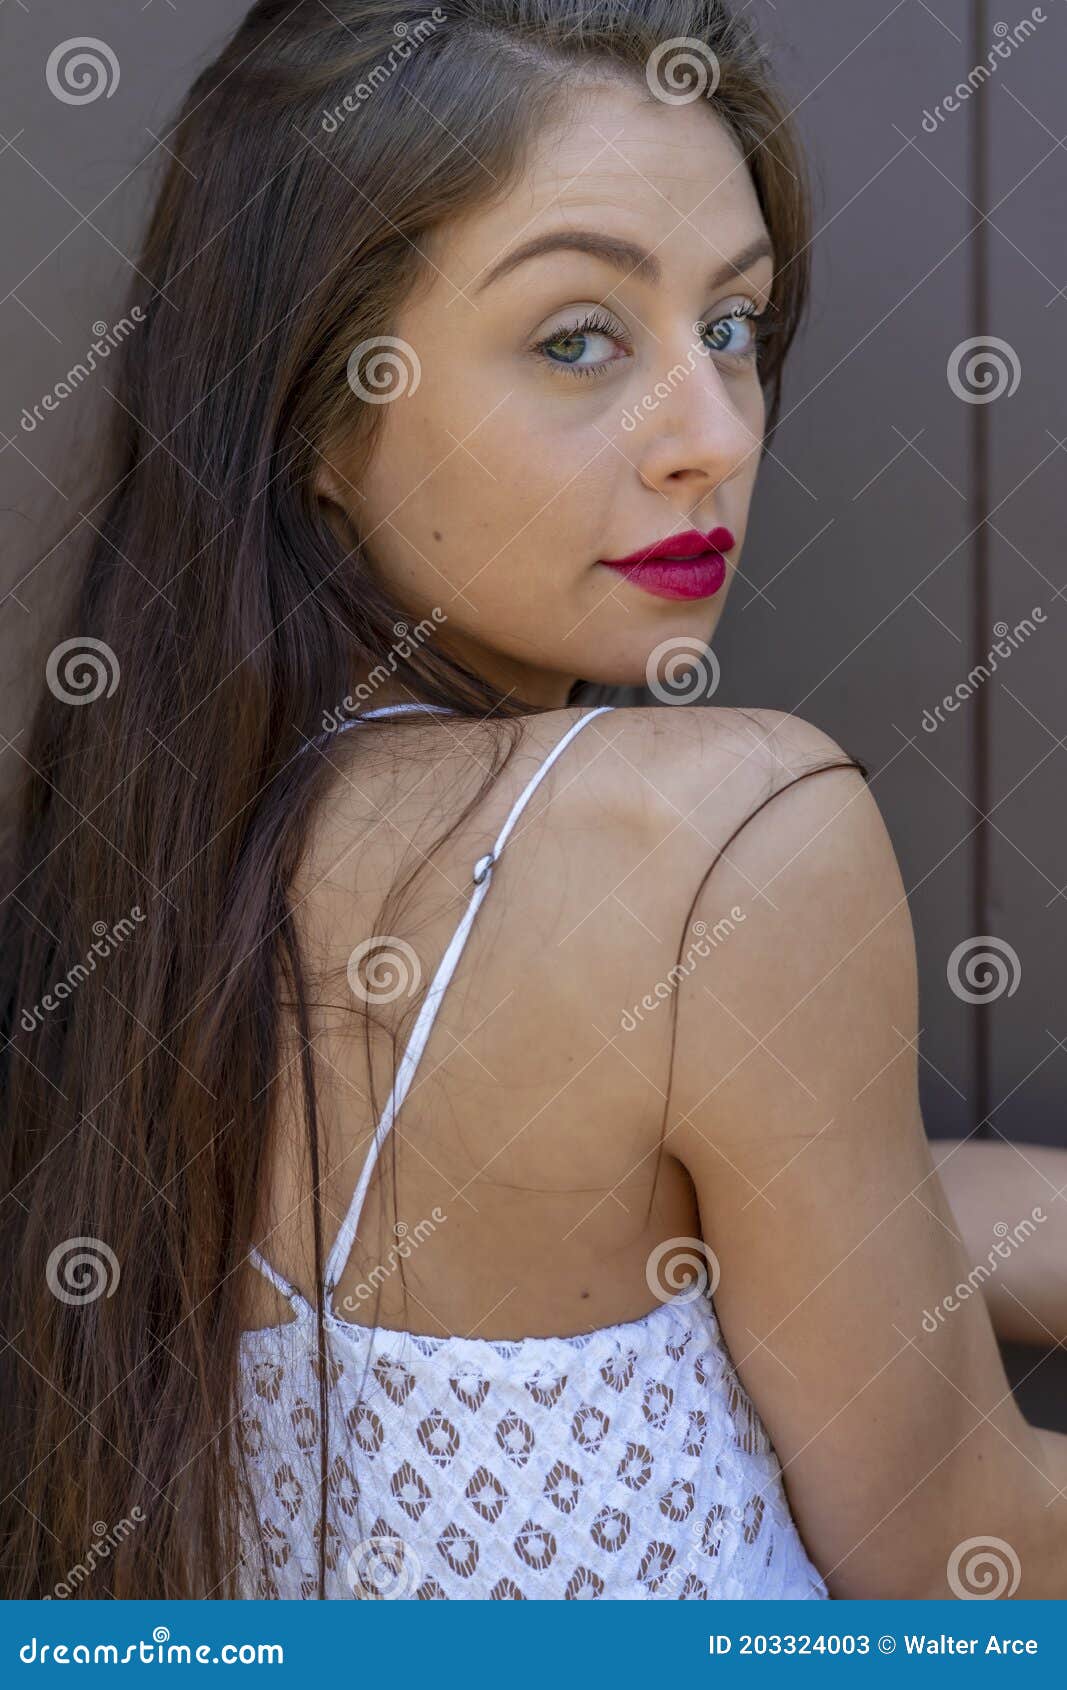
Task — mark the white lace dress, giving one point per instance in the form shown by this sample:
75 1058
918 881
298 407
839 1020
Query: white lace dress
627 1462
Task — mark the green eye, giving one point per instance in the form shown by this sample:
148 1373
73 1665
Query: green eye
593 324
562 350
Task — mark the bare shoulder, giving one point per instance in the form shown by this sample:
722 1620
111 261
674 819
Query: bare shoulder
684 777
794 1108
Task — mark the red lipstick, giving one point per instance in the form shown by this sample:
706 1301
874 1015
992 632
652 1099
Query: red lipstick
685 566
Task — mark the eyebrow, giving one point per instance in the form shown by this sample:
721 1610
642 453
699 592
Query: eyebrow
621 254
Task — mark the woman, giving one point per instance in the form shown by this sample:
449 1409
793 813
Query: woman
450 320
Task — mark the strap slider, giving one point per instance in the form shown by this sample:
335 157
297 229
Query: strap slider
482 868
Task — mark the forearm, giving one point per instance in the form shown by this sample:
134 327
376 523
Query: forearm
1010 1203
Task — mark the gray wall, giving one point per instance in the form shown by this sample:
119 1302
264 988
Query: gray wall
896 522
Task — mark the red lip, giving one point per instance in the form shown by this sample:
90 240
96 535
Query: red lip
680 547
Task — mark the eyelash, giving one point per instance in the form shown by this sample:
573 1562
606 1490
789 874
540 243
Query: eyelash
597 323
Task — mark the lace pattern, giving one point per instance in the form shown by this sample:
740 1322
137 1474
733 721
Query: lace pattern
625 1463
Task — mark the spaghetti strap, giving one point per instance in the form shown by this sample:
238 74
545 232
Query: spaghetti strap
481 876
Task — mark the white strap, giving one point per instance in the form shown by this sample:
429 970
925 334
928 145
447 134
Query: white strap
409 1062
293 1297
380 710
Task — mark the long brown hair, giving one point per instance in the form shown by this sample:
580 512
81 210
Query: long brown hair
225 620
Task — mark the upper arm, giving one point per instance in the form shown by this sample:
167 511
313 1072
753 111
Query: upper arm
794 1106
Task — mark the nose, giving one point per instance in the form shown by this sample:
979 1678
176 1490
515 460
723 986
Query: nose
698 428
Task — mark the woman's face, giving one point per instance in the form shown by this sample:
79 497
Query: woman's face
502 479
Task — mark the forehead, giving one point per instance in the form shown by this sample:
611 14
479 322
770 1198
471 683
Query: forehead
672 178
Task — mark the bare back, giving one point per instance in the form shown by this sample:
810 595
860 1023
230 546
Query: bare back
526 1176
